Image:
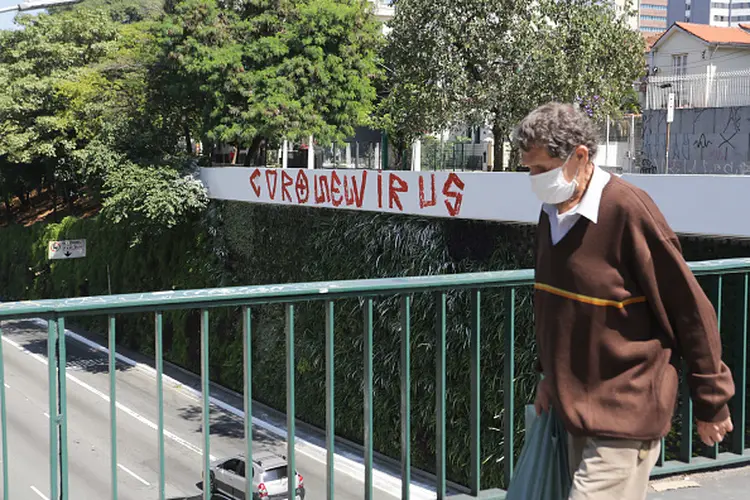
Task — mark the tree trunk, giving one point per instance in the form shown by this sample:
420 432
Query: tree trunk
255 152
206 151
499 134
188 139
21 195
8 208
53 194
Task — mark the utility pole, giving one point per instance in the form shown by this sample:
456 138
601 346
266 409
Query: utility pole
670 119
23 7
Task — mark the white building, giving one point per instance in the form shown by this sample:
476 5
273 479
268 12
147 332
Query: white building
384 12
726 13
704 66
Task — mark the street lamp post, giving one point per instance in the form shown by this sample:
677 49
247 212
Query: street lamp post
21 7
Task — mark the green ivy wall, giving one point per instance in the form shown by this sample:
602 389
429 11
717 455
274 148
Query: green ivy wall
242 244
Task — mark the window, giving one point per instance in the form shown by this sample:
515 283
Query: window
733 19
734 5
235 466
275 474
652 29
653 18
649 6
679 64
679 68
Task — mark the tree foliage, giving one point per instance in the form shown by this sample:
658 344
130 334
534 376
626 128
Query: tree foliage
489 62
110 97
245 70
122 11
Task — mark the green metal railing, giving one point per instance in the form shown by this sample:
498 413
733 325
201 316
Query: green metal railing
56 311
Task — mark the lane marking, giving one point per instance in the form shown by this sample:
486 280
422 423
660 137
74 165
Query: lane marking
139 478
39 493
120 406
6 386
349 463
46 414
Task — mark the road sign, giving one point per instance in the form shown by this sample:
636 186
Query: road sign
66 249
670 108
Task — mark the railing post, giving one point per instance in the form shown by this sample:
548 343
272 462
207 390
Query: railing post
739 416
206 399
159 354
368 388
405 397
113 404
686 441
4 422
63 408
476 409
53 418
440 353
290 402
509 383
330 401
248 395
713 451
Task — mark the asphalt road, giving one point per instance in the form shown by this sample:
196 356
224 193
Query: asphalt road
25 358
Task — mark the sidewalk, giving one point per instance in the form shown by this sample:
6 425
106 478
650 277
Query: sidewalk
728 484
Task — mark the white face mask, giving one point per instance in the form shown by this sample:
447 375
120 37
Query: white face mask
551 187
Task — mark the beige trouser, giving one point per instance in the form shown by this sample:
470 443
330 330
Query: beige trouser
611 469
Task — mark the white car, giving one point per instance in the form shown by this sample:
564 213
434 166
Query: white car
269 477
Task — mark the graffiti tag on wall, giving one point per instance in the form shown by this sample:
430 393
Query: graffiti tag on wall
702 141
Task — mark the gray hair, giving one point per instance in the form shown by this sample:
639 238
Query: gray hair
560 128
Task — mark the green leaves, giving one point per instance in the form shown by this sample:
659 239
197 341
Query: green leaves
92 91
489 62
152 197
252 69
46 85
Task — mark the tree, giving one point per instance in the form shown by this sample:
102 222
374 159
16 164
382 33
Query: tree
251 71
490 62
76 115
39 65
121 11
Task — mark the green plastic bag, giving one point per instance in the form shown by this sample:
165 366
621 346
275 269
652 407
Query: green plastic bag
542 471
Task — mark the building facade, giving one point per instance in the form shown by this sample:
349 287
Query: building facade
652 16
647 16
703 66
726 13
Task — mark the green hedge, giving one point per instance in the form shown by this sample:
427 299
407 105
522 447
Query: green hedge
246 244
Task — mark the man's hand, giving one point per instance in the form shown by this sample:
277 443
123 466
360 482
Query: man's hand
712 433
543 396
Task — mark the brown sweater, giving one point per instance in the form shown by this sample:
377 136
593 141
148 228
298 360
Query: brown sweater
616 306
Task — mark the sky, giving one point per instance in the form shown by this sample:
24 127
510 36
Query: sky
6 20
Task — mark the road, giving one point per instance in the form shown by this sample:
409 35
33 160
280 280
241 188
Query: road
24 348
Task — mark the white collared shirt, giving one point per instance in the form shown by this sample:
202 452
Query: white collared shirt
588 207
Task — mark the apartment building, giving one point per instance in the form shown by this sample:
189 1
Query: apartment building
652 16
726 13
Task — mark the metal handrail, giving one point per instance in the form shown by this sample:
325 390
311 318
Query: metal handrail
297 292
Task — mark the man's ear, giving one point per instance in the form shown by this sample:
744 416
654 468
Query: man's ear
582 155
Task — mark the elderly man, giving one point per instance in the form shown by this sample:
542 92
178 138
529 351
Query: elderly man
616 306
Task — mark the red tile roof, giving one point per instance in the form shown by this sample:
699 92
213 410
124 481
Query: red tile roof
717 34
651 40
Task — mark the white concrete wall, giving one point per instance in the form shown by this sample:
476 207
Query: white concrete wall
697 204
731 60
